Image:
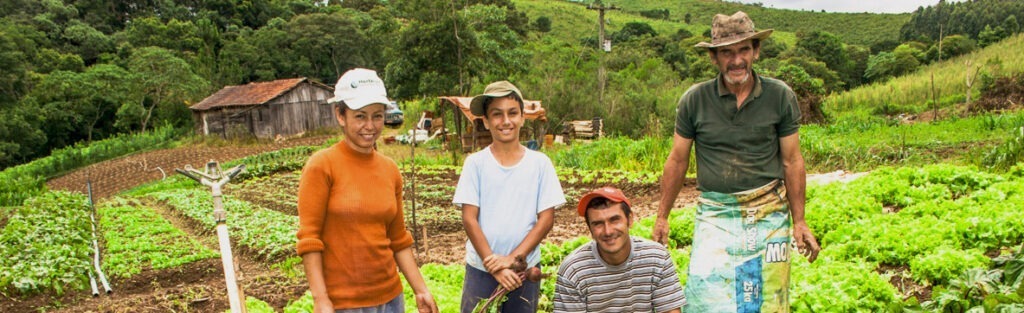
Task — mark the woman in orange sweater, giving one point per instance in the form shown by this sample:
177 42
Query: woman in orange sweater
352 235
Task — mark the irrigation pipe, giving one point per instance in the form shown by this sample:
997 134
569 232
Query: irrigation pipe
95 249
92 283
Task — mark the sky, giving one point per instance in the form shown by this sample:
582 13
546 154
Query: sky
855 6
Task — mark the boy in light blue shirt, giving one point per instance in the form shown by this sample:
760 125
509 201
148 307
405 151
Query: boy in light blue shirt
507 193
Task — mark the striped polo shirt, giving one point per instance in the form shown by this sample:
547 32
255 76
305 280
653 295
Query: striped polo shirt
645 282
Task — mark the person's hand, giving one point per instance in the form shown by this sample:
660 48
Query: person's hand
806 244
660 233
497 262
508 279
425 303
323 305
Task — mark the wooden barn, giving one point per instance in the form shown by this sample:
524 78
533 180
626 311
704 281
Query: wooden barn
279 108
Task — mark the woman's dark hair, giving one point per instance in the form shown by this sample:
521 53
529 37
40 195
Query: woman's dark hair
340 107
602 202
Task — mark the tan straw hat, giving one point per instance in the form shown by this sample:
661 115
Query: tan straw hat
727 30
496 89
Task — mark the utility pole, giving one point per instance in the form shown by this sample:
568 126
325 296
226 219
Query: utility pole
600 7
601 76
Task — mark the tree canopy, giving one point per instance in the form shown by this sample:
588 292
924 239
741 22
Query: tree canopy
79 70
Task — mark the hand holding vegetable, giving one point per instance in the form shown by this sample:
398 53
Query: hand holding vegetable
496 262
520 273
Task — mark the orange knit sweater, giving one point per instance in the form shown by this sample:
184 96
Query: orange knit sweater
350 209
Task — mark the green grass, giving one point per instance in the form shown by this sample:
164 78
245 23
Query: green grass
615 153
862 146
914 90
444 282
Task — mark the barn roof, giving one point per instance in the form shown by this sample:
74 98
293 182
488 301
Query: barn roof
251 94
532 108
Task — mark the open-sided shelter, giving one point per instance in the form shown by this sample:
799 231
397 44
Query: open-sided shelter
474 136
283 107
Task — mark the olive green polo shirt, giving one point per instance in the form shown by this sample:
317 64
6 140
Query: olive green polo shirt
737 149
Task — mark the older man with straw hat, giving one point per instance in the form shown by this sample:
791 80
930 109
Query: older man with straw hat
744 130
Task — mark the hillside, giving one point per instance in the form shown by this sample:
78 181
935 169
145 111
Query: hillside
911 93
571 20
854 28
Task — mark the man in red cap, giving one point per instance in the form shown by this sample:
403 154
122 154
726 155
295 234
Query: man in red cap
616 272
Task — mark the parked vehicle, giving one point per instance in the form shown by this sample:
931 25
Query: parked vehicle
394 116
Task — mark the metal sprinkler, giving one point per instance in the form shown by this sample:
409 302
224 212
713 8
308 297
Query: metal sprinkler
216 179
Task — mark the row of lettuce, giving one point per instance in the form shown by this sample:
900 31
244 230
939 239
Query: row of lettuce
955 230
46 244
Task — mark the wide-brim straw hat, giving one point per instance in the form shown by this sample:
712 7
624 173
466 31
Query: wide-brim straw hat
496 89
727 30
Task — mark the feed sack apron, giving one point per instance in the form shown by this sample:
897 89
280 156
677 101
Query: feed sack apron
740 256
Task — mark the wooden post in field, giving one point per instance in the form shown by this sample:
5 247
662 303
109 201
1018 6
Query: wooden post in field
969 81
426 246
412 158
935 101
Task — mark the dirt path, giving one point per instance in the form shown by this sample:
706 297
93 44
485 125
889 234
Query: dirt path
113 176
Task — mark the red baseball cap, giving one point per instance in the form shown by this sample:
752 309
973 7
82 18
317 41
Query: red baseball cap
609 192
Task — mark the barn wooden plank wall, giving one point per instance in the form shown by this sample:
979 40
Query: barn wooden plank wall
302 109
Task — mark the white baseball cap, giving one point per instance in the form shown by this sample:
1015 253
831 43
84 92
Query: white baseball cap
358 88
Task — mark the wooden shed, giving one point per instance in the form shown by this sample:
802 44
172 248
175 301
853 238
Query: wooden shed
279 108
474 136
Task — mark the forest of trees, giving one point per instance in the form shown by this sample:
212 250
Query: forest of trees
985 21
79 70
